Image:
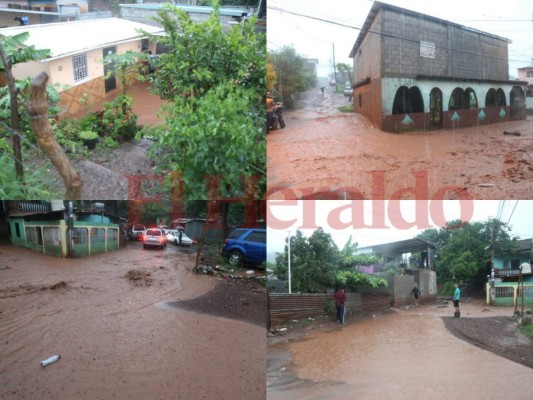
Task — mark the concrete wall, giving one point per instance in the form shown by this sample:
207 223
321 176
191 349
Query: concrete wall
367 60
451 119
427 281
144 13
401 286
402 57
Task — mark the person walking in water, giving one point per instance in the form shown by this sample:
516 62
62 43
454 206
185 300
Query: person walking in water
340 298
456 299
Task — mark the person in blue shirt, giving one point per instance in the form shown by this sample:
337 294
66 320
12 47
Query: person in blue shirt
456 299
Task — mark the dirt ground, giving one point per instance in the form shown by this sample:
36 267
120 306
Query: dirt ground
323 150
105 174
403 354
126 326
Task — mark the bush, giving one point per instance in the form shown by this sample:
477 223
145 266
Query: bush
118 119
37 183
330 307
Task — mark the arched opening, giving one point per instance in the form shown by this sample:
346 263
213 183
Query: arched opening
407 101
416 102
435 108
470 98
401 100
500 98
490 99
457 99
517 102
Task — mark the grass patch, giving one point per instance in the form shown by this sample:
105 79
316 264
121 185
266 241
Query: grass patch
527 330
346 109
37 182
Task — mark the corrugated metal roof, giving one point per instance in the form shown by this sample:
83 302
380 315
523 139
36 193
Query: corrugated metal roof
233 12
400 247
66 38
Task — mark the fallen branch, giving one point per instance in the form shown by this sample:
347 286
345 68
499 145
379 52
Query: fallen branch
515 133
37 109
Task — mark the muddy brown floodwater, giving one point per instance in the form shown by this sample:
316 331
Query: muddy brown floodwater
323 150
112 320
403 354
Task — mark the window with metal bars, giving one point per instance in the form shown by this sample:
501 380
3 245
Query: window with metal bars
79 65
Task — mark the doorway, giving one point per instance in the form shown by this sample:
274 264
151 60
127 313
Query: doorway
110 80
435 108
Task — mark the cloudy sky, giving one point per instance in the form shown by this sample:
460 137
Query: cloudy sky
512 19
401 219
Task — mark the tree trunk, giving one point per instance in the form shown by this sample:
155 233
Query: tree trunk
15 121
37 109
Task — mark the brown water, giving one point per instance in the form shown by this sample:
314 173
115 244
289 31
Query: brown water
403 355
322 150
116 337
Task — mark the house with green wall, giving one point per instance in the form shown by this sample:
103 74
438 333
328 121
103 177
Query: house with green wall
49 233
508 280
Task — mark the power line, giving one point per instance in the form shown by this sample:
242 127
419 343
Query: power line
392 36
512 212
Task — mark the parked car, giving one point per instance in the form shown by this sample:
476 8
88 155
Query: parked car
348 91
332 82
245 246
136 232
173 236
154 237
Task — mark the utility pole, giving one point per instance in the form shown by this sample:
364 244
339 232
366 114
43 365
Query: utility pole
334 67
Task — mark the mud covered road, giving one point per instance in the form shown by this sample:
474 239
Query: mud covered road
323 150
113 319
404 354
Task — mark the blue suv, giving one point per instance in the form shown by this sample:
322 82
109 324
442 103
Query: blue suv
245 246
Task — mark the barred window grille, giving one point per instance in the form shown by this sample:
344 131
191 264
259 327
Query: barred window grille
528 291
79 65
504 291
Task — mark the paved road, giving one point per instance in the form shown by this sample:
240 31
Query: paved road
404 355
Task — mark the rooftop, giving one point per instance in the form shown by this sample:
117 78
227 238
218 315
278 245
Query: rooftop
377 6
400 247
68 38
233 12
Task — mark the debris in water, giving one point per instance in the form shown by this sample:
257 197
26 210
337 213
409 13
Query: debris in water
50 360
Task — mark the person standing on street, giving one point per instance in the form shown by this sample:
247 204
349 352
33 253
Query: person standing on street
456 299
340 298
416 293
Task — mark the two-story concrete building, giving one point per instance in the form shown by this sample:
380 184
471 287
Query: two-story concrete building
526 74
414 71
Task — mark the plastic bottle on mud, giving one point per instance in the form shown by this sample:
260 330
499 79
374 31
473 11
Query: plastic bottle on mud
50 360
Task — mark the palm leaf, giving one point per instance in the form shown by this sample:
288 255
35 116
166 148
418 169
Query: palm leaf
18 52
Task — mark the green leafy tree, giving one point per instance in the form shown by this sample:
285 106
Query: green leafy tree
317 264
344 72
215 121
314 261
353 280
292 75
200 56
127 66
14 51
464 250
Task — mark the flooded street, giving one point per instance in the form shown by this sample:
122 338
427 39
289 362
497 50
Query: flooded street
109 318
399 355
323 150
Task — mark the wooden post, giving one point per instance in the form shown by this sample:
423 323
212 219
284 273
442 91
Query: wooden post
37 109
